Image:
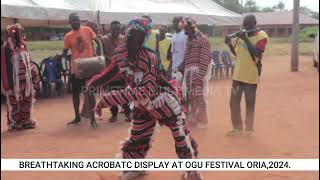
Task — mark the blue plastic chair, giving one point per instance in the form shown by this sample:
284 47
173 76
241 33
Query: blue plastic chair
226 59
51 69
217 66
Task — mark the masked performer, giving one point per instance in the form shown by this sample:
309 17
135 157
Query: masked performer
153 97
19 80
197 73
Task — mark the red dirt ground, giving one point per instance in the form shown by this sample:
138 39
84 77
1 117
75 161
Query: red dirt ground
287 126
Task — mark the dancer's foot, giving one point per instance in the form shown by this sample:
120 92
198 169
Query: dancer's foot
128 117
31 125
113 119
15 128
93 124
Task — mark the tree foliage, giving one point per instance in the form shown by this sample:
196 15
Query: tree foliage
279 7
251 6
308 12
267 9
232 5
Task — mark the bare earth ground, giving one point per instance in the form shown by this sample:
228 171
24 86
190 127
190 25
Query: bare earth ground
287 126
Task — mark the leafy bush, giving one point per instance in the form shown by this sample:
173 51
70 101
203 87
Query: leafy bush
308 34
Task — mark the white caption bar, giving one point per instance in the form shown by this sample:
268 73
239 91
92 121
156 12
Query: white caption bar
159 164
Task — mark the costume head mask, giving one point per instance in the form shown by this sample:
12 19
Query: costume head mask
15 37
138 30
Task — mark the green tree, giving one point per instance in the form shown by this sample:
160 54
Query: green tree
308 12
315 15
281 6
267 9
232 5
251 6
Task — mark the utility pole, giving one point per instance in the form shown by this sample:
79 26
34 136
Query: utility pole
295 37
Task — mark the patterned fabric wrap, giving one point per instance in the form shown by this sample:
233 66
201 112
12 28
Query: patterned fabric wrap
197 74
14 41
19 112
19 99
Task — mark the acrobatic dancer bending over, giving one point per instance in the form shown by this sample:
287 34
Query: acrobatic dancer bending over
153 97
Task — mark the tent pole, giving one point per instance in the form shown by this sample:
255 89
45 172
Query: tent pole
98 18
295 38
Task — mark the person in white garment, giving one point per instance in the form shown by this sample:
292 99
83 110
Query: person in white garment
178 46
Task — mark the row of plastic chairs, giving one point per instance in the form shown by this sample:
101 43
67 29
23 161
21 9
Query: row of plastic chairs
222 64
51 72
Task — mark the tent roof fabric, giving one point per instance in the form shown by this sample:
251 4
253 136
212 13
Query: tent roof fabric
42 10
161 11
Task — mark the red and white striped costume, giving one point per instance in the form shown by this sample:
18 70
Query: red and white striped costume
20 95
197 74
154 100
19 79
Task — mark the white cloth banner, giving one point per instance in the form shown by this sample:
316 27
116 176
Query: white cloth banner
159 164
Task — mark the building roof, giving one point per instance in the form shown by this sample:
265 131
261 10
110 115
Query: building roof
279 18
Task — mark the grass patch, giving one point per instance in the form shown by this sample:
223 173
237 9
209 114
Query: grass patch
43 49
277 46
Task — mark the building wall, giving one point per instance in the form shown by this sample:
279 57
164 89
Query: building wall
271 30
223 31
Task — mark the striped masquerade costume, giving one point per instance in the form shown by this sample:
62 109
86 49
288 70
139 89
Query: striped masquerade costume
154 100
19 82
197 74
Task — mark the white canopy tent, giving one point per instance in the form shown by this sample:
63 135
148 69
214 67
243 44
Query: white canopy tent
162 11
104 11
